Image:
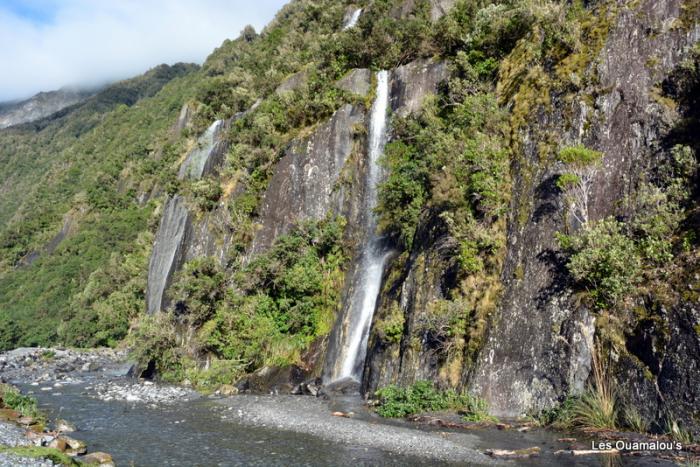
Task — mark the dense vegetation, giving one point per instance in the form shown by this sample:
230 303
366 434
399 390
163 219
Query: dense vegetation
82 193
422 396
267 313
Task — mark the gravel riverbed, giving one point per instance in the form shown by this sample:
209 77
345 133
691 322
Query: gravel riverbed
313 416
12 435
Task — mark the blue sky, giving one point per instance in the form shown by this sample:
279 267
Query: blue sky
47 44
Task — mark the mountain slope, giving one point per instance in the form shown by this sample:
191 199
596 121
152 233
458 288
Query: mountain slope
40 106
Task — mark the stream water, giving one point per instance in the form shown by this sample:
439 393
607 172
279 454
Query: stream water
194 433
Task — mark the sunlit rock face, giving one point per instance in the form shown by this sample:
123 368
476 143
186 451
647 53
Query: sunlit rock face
438 8
356 81
305 184
168 252
412 82
539 347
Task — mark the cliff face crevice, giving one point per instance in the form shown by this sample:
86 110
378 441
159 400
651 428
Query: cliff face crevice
539 346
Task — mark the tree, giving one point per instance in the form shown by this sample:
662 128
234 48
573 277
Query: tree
248 33
577 182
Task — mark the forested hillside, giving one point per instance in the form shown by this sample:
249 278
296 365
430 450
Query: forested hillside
536 207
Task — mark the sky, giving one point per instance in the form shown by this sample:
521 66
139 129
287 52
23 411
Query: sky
47 44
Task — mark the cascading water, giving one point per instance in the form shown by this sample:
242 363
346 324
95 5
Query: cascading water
196 162
363 300
353 19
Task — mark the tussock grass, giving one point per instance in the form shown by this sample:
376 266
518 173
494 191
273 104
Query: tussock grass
597 408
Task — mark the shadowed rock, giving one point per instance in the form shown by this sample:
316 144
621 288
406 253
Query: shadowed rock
539 347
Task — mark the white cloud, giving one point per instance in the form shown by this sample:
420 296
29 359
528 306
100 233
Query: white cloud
89 42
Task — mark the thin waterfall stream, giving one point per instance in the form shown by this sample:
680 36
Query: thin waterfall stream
352 22
363 300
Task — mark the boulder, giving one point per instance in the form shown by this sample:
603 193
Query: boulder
356 81
75 446
228 390
98 458
58 443
65 426
345 386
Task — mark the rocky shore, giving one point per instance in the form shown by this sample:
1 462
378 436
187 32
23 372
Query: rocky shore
314 416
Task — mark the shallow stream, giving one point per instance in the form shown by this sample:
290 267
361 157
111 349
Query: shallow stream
196 432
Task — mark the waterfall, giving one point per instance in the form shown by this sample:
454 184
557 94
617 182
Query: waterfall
353 19
198 160
368 278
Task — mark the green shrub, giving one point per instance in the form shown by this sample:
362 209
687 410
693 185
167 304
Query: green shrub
390 328
207 193
604 260
197 290
634 421
422 396
26 405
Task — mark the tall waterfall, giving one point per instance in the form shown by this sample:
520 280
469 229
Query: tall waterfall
368 278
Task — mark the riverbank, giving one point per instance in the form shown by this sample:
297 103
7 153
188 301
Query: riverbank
147 423
356 426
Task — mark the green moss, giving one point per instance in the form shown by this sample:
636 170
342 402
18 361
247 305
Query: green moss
40 452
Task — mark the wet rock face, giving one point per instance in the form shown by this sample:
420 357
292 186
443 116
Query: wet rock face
168 252
181 238
412 82
427 276
538 348
305 180
207 155
185 117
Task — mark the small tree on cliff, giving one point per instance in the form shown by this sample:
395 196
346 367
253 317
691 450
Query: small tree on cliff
577 181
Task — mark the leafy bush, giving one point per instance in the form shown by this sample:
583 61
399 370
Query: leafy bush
390 328
197 290
604 260
12 398
422 396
